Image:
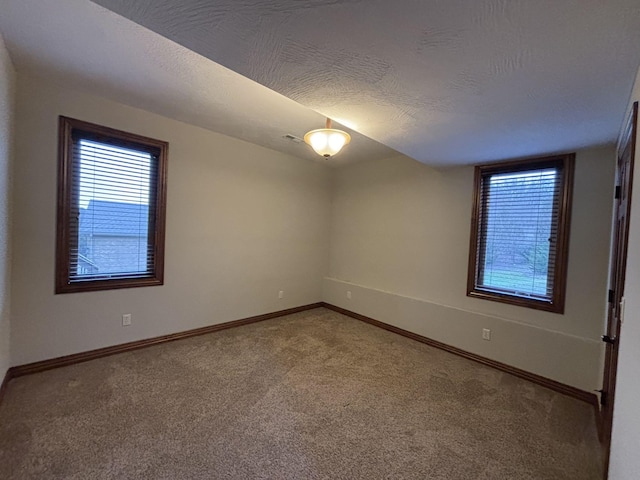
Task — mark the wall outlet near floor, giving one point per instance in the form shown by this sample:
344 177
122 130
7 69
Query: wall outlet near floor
126 319
349 294
486 334
281 294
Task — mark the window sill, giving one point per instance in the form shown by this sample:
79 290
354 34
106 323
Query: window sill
96 285
526 302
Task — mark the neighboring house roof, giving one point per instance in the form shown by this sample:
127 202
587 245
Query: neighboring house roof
114 219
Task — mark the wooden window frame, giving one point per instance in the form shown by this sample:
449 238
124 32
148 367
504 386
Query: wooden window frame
557 302
66 185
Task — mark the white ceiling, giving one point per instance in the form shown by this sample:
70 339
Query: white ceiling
84 46
443 81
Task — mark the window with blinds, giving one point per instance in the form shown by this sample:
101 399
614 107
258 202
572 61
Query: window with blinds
519 237
111 197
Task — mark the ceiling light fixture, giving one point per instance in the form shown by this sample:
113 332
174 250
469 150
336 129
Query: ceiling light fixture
327 141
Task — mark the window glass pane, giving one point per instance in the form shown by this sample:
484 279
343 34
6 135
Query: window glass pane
520 232
519 228
113 204
111 208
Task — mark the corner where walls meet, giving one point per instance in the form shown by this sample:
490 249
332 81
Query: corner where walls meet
399 253
245 222
7 104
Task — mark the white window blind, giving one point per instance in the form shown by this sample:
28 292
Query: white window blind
518 232
113 209
112 188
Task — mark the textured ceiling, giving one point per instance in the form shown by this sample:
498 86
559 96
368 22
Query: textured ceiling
80 44
444 81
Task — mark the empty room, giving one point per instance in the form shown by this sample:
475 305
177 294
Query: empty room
319 239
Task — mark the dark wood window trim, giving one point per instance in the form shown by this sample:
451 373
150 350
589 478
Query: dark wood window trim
68 129
556 302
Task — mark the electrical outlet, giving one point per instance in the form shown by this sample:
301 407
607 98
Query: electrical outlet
126 319
281 294
486 334
349 294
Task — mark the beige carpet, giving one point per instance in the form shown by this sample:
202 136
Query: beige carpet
314 395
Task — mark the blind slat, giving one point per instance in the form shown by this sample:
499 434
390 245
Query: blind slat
114 212
518 226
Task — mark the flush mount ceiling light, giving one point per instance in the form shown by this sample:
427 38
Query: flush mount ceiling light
327 141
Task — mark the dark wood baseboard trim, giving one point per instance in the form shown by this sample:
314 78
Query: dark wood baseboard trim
66 360
588 397
5 381
36 367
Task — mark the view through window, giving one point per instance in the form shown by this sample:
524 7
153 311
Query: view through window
113 200
519 212
519 235
111 208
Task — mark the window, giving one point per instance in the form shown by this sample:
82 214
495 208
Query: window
111 208
520 232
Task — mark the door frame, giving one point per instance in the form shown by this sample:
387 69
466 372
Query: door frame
617 271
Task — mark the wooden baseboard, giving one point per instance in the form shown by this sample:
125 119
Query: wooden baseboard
66 360
36 367
5 381
588 397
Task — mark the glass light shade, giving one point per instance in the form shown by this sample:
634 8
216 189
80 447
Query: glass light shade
327 141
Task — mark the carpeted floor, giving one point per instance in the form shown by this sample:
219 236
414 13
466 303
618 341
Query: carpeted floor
315 395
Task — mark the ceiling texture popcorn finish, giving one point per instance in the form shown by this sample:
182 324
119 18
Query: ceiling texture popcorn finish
442 81
84 46
445 82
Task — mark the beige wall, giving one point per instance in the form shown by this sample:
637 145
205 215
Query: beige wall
243 222
7 86
625 462
400 242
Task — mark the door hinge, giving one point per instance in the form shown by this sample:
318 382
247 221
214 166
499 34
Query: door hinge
608 339
603 397
617 194
612 296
